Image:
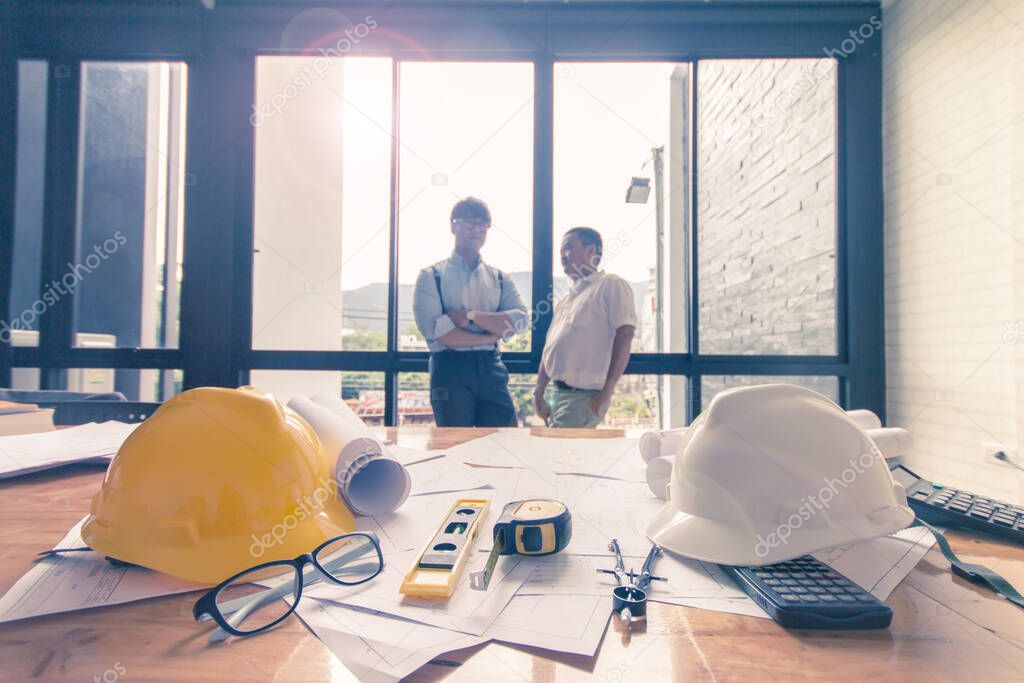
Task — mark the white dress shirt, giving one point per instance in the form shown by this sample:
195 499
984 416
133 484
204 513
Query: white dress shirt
578 349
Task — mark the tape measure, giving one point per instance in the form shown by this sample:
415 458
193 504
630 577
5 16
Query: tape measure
526 527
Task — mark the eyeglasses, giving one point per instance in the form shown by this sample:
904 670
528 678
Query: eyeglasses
477 223
251 601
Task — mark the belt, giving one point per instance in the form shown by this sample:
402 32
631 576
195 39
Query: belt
565 387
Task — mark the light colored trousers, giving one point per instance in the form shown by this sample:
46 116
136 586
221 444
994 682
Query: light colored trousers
570 408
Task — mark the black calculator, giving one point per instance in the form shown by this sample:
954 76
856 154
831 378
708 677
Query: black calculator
946 506
806 593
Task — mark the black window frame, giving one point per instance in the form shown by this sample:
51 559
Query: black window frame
220 48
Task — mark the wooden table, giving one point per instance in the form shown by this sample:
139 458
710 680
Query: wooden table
944 629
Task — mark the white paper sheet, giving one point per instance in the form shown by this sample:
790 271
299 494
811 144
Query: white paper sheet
466 610
879 565
379 648
435 472
96 441
81 580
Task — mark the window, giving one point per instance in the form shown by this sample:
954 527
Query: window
322 129
362 391
712 384
617 125
466 130
130 205
766 206
27 304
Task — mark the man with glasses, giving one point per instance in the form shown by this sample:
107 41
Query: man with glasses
463 308
590 338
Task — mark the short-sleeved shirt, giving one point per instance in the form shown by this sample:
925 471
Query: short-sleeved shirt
482 288
578 349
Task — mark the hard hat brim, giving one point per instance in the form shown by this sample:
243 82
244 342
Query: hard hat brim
720 542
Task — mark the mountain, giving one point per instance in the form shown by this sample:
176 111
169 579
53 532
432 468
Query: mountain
365 308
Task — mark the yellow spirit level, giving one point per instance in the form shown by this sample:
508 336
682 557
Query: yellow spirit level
437 568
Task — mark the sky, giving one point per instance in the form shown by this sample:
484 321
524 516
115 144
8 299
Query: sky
467 129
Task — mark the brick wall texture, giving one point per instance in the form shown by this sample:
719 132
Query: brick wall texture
953 105
766 246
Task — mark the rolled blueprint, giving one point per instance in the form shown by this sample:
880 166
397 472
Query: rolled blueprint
659 472
892 441
667 442
370 480
865 419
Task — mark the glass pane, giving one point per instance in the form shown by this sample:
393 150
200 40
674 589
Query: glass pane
350 559
130 204
322 203
621 165
147 385
521 388
21 324
767 206
414 399
712 384
467 130
639 400
362 391
267 602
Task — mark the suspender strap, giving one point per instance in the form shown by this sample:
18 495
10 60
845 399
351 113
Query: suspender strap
974 573
437 281
440 295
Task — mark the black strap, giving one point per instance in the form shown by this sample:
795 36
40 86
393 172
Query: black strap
437 281
974 573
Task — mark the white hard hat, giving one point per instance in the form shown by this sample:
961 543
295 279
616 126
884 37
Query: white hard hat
774 472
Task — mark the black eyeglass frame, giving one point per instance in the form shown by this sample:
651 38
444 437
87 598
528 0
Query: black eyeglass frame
208 603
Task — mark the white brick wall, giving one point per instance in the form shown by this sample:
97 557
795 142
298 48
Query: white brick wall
953 105
766 244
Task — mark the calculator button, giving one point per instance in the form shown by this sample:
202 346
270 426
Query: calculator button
836 590
787 596
980 514
959 507
797 589
816 589
921 495
1002 520
809 598
807 582
846 598
828 598
788 582
864 598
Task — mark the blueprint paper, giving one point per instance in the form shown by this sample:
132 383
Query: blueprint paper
370 479
377 647
879 565
435 472
75 581
467 610
96 441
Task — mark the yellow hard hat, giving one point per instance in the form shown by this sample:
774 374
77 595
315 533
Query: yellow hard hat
216 481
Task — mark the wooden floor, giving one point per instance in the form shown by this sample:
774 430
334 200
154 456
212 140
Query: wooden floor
944 628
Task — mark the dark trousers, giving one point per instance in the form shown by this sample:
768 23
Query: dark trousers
470 389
